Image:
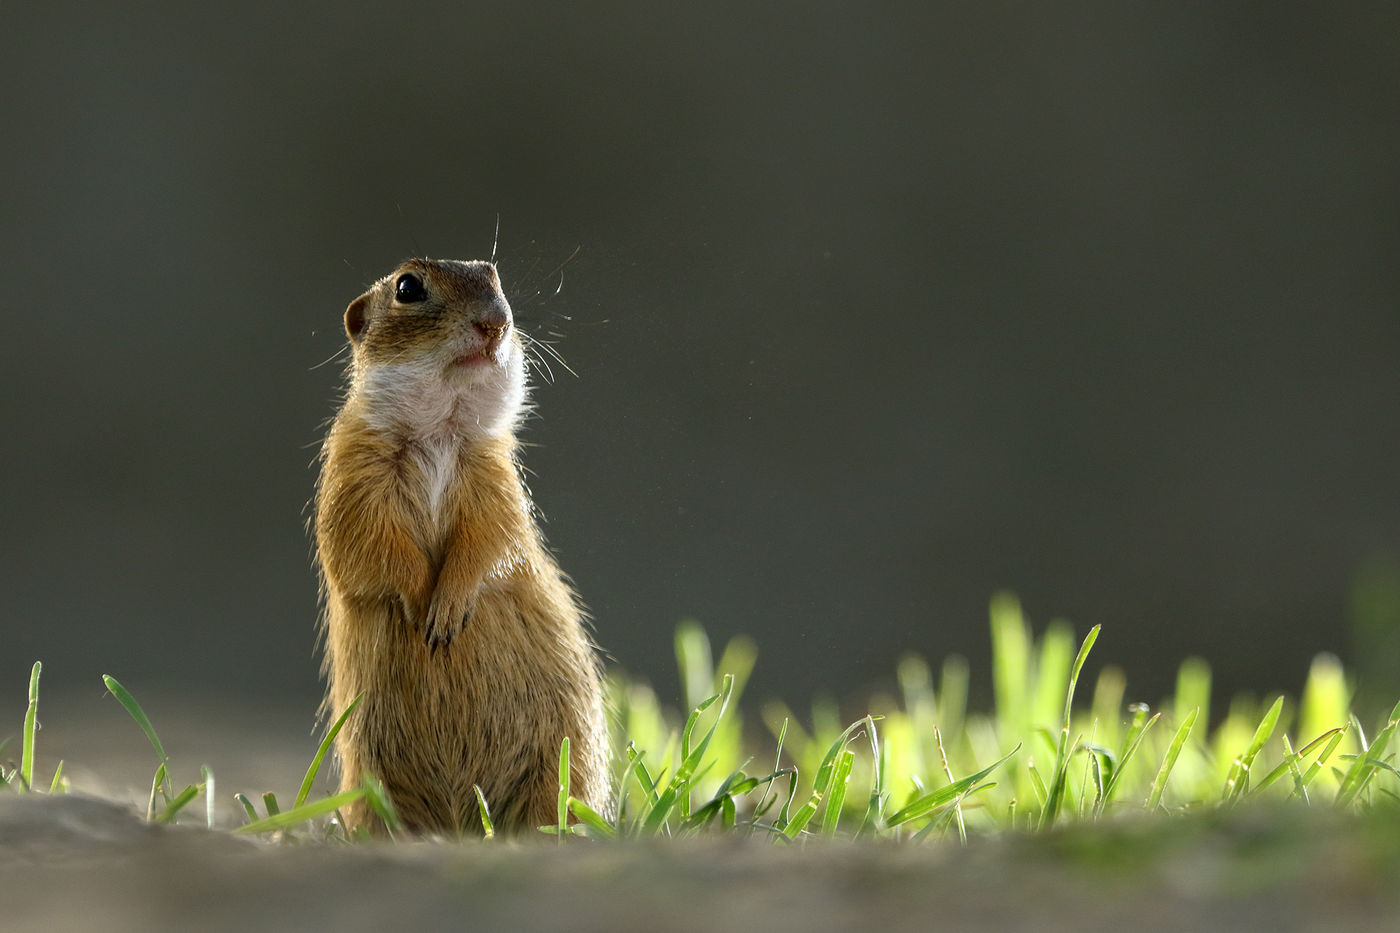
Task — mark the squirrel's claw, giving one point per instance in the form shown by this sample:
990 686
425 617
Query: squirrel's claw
443 625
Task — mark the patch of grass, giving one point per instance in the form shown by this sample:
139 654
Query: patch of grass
918 765
1041 757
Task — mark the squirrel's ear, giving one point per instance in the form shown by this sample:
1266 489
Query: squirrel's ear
355 317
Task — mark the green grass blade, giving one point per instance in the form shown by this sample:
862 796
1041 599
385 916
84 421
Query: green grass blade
305 790
833 755
1360 732
691 722
626 820
784 819
656 816
675 799
1292 759
737 660
693 658
1159 784
777 765
836 799
1232 780
177 804
301 814
637 769
1240 775
1263 734
826 773
1052 670
1127 757
948 773
488 829
677 792
57 784
1289 765
270 803
1079 660
938 825
380 802
802 817
563 822
1063 751
875 806
1059 783
247 807
1011 663
156 782
1093 777
26 756
926 803
1193 688
134 710
592 819
208 796
744 785
947 815
1037 784
1367 761
1325 754
736 784
1140 721
692 756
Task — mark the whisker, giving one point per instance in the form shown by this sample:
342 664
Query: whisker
329 358
547 347
525 276
560 268
542 364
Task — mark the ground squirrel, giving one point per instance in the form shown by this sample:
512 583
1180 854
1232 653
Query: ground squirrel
442 604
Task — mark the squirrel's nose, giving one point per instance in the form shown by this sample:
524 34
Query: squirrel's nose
493 320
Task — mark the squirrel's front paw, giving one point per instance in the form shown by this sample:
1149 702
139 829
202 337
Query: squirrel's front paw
445 620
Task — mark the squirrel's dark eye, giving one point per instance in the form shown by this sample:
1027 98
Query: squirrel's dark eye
409 290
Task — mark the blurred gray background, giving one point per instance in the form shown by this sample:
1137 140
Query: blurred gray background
876 309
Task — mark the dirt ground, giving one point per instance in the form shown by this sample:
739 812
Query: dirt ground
83 863
87 861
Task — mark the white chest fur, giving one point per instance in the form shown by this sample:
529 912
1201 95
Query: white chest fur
415 400
436 459
436 418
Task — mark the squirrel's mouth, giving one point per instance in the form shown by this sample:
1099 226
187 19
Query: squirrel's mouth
483 355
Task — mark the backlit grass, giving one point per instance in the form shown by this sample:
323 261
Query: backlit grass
918 765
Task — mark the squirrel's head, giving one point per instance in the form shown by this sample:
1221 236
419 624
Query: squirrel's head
436 339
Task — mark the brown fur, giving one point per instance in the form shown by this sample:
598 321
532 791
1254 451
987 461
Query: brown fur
442 604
